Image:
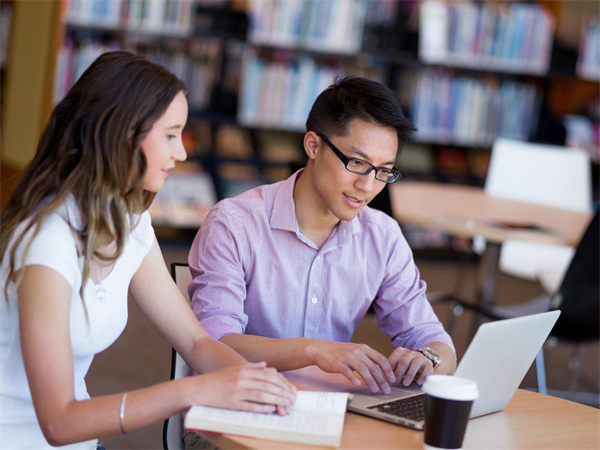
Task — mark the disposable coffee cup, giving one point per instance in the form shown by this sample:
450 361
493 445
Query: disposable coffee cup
448 402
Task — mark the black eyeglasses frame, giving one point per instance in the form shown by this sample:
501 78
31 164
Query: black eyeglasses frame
394 171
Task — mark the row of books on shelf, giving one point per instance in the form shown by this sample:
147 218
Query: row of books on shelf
154 16
322 25
588 63
279 92
471 111
196 62
512 37
329 26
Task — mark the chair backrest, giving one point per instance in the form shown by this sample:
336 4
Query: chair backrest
173 426
548 175
182 276
578 297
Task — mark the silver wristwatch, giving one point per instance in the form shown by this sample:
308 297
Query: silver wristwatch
431 355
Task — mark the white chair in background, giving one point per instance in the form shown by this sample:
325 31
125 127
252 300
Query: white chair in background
173 427
548 175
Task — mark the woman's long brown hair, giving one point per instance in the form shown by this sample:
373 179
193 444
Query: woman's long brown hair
91 150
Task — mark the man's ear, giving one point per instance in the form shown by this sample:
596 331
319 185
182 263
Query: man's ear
311 144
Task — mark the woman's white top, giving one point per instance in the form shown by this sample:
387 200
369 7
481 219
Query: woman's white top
55 246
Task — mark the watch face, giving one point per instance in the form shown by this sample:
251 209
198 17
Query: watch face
431 354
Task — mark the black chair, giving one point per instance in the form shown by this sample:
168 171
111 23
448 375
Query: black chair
578 299
173 426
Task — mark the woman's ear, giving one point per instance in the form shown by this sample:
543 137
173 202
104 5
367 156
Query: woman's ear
311 144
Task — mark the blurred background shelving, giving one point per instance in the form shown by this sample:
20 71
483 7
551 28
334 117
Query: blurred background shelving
464 72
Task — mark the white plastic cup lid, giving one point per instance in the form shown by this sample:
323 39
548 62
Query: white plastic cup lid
451 387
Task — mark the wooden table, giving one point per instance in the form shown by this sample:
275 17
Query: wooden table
468 211
531 420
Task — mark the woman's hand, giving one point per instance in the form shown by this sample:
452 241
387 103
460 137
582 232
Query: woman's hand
251 387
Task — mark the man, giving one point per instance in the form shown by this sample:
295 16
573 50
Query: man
285 272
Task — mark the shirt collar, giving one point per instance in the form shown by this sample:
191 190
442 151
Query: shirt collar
283 215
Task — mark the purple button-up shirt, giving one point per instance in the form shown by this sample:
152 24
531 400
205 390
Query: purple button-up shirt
256 273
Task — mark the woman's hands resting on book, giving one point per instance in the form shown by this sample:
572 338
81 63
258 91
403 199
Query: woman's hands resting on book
251 387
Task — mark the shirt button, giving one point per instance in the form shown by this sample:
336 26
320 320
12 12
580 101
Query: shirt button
314 300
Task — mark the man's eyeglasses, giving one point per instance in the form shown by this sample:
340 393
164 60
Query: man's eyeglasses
361 167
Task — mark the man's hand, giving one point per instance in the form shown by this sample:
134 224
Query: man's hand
410 365
349 359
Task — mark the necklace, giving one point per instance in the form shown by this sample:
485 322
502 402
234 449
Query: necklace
100 289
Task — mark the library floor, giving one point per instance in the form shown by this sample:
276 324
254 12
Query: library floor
142 357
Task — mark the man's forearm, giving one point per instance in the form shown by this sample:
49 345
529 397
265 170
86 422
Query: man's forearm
282 354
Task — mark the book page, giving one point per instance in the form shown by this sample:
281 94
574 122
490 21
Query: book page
324 402
314 414
311 422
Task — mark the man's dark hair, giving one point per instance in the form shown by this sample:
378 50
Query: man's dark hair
358 98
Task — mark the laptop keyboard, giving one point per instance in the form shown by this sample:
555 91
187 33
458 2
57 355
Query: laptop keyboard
412 408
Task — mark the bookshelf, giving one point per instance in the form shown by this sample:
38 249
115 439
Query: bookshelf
465 72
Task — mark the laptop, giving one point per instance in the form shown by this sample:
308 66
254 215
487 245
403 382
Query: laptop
498 358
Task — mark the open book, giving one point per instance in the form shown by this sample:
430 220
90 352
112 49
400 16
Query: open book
317 418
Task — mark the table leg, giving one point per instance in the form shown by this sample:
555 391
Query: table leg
488 277
487 288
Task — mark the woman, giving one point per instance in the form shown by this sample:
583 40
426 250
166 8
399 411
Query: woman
76 240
